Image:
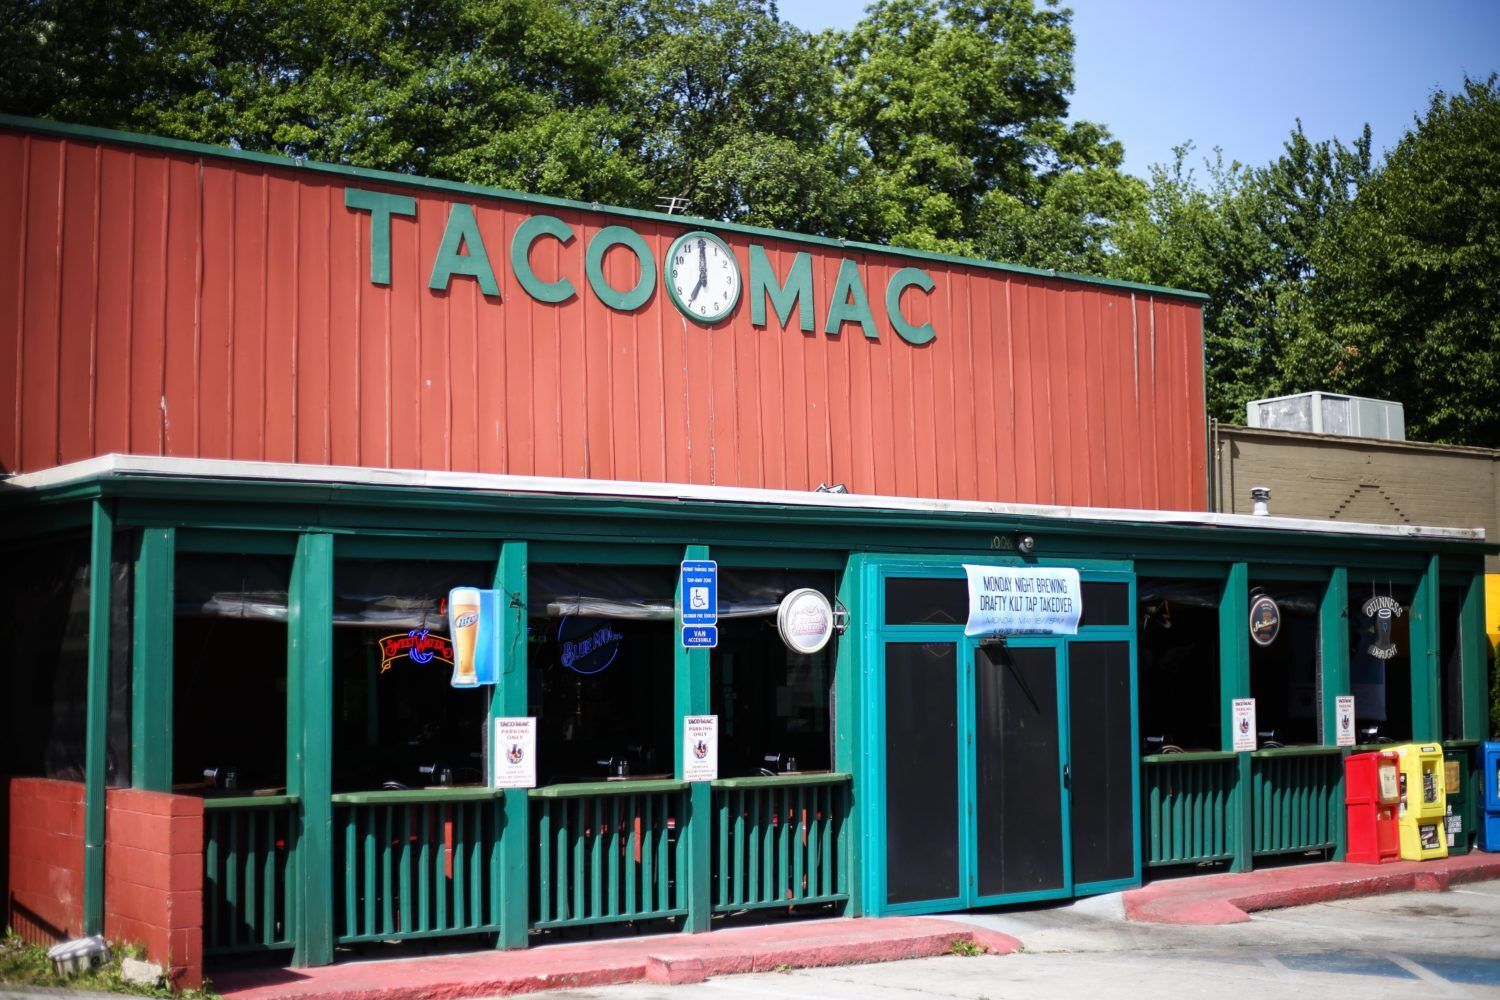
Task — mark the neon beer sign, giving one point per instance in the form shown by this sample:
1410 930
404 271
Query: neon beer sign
420 646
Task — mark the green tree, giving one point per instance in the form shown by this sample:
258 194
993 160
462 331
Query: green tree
728 107
956 113
1251 240
1409 303
518 93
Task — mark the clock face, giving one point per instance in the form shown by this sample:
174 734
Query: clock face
703 277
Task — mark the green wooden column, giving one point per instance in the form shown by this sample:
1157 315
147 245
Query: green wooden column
510 699
151 662
310 743
1426 705
1234 682
101 556
690 696
1475 690
1333 661
847 694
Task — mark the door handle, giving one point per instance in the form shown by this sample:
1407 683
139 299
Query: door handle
1068 776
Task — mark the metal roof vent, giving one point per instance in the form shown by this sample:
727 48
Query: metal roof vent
1329 413
1260 500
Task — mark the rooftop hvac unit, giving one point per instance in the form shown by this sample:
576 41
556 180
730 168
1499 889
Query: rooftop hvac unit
1329 413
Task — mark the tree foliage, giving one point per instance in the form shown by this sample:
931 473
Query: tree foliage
1409 281
1249 238
934 123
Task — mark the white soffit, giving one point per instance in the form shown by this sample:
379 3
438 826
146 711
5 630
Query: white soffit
344 475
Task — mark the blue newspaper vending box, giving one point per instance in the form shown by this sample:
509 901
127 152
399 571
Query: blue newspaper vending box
1489 799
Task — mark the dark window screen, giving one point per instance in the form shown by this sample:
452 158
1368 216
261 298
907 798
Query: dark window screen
1102 758
1019 802
926 601
921 771
1105 604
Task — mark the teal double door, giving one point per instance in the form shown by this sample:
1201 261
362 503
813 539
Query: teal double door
1009 769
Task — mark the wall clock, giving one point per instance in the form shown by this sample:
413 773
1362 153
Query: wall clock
703 277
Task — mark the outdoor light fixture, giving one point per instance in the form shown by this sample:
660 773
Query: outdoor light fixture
1025 544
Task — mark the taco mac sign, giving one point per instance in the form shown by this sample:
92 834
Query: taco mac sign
696 264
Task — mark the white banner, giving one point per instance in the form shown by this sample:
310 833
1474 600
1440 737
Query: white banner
513 752
700 748
1017 600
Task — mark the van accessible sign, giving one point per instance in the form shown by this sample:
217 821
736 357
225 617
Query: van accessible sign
1023 600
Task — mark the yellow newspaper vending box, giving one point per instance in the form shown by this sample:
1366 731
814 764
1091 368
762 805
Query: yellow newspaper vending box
1424 802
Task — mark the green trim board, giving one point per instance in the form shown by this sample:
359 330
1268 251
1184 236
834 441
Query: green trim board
310 735
590 789
229 804
784 780
691 696
849 715
151 662
437 185
509 698
96 713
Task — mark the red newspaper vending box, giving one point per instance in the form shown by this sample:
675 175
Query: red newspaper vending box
1372 790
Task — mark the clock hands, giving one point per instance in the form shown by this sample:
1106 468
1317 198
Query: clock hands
702 271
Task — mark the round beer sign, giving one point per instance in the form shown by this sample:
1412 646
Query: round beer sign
1265 620
805 620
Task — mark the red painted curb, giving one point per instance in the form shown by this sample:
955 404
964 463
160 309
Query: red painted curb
668 960
1231 898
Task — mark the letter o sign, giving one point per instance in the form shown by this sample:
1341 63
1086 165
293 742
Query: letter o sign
612 236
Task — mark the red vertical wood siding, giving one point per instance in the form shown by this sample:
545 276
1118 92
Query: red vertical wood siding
167 302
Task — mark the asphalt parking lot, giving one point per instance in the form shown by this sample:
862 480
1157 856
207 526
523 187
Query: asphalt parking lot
1406 945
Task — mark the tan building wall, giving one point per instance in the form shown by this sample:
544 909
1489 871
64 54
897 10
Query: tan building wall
1358 479
1362 479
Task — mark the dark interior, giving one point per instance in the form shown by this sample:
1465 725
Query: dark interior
1284 678
229 676
601 647
773 704
1380 660
1177 624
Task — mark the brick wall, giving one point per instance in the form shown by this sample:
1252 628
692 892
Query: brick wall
153 870
153 878
1359 479
45 900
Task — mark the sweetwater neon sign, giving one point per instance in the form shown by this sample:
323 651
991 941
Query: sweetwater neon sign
463 252
419 645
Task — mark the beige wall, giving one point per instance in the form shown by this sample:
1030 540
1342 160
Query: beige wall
1358 479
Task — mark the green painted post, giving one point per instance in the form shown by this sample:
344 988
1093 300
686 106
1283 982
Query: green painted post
846 721
101 554
151 685
1333 645
310 742
690 684
509 699
1475 692
1426 706
1234 682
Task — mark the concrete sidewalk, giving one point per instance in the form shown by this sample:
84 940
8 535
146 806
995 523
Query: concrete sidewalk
668 959
681 958
1229 899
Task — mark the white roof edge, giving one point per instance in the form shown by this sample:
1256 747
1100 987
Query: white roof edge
335 475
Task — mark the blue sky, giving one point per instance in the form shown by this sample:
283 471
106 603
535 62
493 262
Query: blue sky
1238 75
